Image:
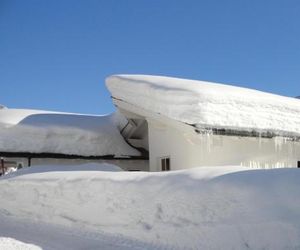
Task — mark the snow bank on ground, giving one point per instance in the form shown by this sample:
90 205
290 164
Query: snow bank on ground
65 168
13 244
37 235
39 131
209 105
202 208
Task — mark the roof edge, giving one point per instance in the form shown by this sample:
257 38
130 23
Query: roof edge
245 133
68 156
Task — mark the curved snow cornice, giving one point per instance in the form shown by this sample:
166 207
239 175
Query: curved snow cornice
208 105
37 131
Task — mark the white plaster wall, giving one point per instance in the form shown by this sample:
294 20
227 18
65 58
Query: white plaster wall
164 142
188 150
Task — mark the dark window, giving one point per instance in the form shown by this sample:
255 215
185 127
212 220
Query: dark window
298 164
165 164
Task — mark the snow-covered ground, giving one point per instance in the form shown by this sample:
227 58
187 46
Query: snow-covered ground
25 234
37 131
201 208
209 105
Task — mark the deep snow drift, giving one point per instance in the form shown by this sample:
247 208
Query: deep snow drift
37 131
202 208
209 105
16 234
13 244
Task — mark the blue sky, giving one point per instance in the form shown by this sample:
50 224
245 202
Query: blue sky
55 55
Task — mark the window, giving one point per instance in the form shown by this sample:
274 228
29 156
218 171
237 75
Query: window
298 164
165 164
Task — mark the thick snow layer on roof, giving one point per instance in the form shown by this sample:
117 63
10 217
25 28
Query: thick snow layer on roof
37 131
209 105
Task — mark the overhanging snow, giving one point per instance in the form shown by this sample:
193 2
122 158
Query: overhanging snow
208 105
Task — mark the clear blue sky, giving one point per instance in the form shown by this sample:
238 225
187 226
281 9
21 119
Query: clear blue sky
55 54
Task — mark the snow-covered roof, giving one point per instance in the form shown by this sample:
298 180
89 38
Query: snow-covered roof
36 131
208 105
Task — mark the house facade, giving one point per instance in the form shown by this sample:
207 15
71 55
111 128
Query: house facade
174 144
165 124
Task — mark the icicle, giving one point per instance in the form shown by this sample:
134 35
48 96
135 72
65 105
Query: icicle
279 141
259 140
208 141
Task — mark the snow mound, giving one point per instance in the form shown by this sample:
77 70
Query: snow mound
209 105
55 237
202 208
13 244
2 107
65 168
37 131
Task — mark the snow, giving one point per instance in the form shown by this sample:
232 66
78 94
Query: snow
209 105
25 234
65 168
201 208
36 131
13 244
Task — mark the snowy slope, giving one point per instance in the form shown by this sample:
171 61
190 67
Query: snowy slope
202 208
209 105
39 131
16 234
13 244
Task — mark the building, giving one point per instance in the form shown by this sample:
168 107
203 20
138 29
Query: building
34 137
185 123
162 124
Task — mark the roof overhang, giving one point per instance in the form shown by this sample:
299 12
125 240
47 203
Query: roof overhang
67 156
133 111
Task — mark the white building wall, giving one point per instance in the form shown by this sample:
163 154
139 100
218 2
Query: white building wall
188 150
166 142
